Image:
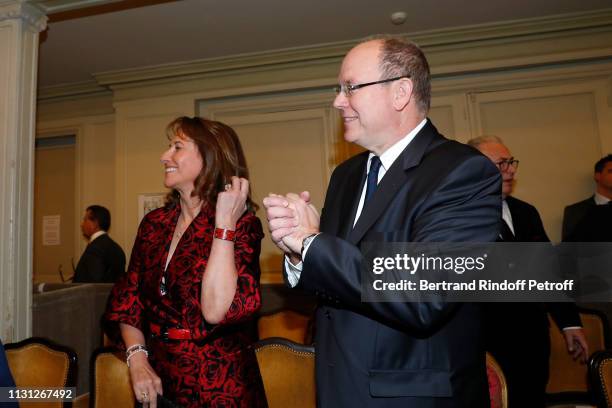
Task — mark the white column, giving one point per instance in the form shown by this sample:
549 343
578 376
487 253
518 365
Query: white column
20 24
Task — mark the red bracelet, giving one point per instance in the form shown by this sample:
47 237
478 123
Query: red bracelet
225 234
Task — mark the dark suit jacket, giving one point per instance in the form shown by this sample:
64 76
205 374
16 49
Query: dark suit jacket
401 354
573 214
591 222
102 262
524 326
6 378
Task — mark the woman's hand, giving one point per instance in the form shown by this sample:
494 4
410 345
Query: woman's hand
145 383
231 203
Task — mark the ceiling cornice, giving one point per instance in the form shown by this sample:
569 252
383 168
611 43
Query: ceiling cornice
434 42
429 40
58 6
75 89
320 52
515 28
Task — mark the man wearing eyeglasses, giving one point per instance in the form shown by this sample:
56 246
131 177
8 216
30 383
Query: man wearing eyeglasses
517 333
411 185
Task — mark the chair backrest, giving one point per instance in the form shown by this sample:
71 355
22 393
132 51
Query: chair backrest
569 376
287 324
600 377
498 388
110 380
568 379
288 373
38 362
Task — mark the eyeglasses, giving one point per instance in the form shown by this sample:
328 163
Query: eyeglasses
503 165
348 89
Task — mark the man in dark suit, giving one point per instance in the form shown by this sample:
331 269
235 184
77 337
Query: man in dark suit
103 260
590 220
411 185
517 333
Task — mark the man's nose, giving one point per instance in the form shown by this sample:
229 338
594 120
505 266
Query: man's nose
341 101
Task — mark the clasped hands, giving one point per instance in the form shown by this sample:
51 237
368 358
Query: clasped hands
291 218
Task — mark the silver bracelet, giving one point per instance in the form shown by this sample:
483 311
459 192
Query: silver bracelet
133 347
136 348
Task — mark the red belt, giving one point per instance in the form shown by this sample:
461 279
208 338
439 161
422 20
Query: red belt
170 333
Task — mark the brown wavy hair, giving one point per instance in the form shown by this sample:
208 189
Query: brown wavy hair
222 158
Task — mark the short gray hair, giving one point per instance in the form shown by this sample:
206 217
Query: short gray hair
477 141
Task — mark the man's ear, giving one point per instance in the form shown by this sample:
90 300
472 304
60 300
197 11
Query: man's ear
402 94
597 177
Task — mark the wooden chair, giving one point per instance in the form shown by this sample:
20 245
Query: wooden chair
600 378
287 324
498 388
288 373
110 385
568 379
38 362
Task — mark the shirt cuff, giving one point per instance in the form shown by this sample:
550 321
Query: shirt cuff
305 250
572 328
293 272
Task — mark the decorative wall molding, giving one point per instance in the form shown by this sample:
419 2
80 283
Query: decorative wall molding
57 6
72 90
520 77
536 42
30 14
435 40
19 26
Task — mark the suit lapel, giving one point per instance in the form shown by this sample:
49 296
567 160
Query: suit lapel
396 177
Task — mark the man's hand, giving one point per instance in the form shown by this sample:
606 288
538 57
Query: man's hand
281 219
576 344
291 218
307 218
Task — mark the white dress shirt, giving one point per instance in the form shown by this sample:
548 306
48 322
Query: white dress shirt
96 235
507 216
601 199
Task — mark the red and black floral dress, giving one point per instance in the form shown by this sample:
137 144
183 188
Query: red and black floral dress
217 367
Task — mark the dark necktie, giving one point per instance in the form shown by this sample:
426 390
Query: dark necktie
372 181
506 233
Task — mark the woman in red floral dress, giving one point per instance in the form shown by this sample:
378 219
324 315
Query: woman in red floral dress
184 309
